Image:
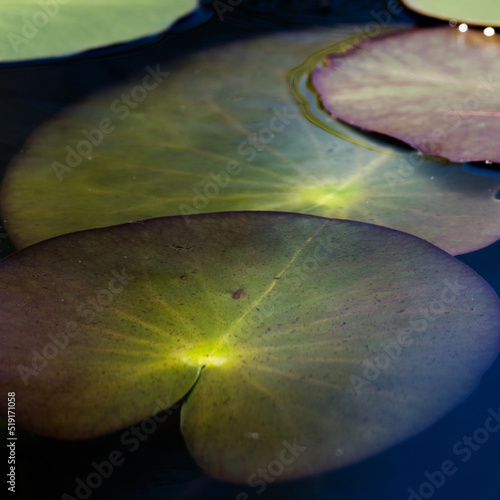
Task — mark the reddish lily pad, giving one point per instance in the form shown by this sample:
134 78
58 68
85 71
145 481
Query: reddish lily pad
331 338
436 89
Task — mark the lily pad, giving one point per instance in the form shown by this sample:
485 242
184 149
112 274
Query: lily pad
480 12
301 343
434 88
201 143
33 28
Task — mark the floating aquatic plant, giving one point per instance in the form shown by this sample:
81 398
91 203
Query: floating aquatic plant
202 143
434 88
33 29
336 338
479 12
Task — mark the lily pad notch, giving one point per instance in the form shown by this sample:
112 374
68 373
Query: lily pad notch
270 321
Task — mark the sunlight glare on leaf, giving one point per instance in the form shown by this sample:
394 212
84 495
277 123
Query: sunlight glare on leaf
198 143
328 333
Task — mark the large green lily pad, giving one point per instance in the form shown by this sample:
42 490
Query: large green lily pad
477 12
33 28
435 89
305 343
199 142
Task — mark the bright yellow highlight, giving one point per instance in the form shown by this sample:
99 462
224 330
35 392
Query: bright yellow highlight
207 360
330 196
204 355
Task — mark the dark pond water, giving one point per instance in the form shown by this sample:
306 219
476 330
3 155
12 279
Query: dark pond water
160 467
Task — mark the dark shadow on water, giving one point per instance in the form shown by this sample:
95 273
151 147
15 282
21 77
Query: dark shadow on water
382 139
484 168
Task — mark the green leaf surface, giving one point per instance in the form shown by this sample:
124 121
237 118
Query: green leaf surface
199 142
34 29
477 12
435 88
335 338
